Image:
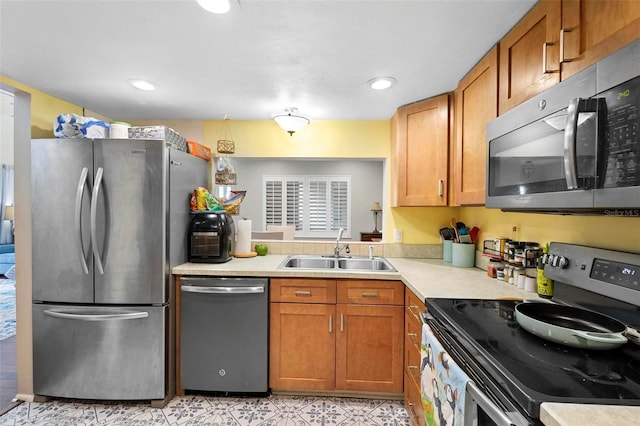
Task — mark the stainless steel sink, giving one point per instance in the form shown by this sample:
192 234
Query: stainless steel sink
308 262
304 261
375 264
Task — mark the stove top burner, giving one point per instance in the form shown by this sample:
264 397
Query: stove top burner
534 369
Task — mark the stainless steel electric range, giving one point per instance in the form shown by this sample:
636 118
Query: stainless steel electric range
512 371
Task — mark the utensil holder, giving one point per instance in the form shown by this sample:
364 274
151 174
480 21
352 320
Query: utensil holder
463 255
446 250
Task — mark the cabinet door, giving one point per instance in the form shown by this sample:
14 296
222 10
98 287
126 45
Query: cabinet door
302 346
369 348
420 146
476 102
592 30
529 55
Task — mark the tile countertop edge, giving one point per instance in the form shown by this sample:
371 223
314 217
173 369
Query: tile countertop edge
428 278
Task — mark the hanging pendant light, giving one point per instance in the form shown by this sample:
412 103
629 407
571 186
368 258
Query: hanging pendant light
290 120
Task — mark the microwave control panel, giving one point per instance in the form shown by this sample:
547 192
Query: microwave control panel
622 148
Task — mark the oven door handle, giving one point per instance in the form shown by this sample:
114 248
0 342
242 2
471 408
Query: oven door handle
475 396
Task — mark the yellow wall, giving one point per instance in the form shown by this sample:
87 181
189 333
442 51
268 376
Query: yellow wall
320 139
44 109
618 233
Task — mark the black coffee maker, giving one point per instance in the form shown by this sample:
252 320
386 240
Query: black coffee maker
212 237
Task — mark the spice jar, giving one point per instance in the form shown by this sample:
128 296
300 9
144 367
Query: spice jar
492 267
500 273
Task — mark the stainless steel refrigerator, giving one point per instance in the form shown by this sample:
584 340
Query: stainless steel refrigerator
109 220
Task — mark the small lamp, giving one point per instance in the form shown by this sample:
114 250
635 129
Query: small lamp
9 214
291 121
376 209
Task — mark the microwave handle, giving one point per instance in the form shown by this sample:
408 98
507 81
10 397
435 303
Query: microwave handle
570 135
576 106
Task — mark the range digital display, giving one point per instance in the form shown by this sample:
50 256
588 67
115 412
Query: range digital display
619 273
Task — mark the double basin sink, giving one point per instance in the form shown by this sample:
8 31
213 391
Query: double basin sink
369 264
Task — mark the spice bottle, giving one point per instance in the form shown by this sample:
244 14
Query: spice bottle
545 285
492 267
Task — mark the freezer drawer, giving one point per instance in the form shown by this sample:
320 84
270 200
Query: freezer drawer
224 334
97 352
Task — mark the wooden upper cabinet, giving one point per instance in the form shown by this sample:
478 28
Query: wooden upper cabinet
420 146
592 30
476 103
529 55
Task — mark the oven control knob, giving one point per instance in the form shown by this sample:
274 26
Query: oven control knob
563 262
558 261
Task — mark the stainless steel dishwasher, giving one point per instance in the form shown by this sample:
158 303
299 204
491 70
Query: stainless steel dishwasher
224 334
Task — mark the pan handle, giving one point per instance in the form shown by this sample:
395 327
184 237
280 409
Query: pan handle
600 337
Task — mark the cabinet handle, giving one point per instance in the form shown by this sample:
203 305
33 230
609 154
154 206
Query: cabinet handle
414 310
414 415
330 323
370 294
545 45
412 369
562 57
412 337
440 187
341 322
302 292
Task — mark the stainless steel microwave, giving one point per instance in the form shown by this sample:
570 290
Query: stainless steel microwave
574 148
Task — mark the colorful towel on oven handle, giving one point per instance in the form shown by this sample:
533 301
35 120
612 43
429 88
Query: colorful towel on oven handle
443 383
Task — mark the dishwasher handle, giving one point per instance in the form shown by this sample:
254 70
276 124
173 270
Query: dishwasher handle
222 289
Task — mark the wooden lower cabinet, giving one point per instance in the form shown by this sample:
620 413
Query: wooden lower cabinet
369 348
338 345
412 358
302 350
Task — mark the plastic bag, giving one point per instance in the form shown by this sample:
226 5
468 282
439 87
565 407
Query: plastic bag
78 126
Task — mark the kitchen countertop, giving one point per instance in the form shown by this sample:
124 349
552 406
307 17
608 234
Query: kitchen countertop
427 278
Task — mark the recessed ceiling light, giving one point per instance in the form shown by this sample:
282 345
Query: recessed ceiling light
215 6
381 83
142 84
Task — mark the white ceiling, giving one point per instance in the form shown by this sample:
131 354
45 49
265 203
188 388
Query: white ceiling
258 59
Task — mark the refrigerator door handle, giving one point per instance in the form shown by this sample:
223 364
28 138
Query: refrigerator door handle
96 317
222 290
94 214
78 215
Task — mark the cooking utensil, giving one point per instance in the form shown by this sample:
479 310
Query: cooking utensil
453 224
474 234
445 233
571 326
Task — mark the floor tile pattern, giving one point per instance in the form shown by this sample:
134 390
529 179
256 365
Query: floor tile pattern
192 410
7 308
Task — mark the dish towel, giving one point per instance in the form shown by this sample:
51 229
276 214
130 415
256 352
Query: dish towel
443 383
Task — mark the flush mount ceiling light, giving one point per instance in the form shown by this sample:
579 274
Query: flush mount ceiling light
290 120
142 84
381 83
215 6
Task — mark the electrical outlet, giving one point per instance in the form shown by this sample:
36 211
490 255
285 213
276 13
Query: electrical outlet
397 235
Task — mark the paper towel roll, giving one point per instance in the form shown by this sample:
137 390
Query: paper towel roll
243 243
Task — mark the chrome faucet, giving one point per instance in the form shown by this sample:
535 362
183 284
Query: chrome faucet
337 249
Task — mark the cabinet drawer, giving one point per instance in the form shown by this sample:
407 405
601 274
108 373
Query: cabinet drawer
413 404
303 290
371 292
413 306
413 358
413 331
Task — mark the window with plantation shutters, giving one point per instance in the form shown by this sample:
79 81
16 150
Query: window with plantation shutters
317 205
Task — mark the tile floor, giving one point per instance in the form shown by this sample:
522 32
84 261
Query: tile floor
215 411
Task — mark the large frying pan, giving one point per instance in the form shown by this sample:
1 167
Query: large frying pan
571 326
